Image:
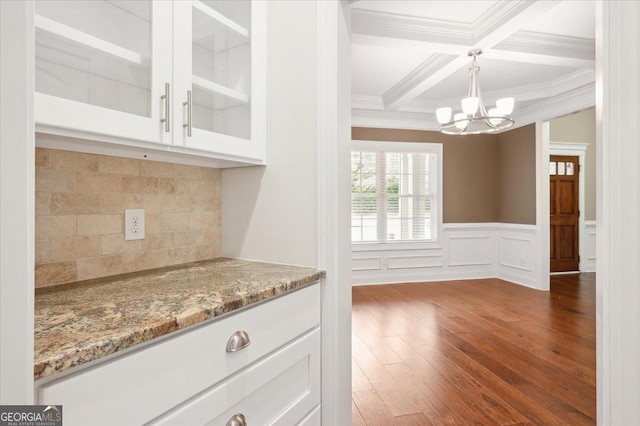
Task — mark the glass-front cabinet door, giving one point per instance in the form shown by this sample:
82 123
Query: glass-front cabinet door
104 67
220 76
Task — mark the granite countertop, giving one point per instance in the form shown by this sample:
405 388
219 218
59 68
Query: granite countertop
80 322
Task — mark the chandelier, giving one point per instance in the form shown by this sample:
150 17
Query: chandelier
474 118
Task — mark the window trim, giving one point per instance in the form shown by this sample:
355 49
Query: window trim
419 147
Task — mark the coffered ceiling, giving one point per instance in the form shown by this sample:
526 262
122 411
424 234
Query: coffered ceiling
410 58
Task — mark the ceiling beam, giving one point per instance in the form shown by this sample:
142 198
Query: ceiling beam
551 89
568 52
574 100
496 25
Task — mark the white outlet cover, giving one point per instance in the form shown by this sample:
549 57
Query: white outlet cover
134 224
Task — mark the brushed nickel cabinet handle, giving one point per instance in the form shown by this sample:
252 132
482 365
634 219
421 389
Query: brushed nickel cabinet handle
189 105
167 105
237 420
238 341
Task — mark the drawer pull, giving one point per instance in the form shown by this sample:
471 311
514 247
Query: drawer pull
237 420
238 341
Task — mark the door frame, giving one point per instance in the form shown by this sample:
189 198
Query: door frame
17 190
333 91
574 149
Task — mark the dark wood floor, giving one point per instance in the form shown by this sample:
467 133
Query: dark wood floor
475 352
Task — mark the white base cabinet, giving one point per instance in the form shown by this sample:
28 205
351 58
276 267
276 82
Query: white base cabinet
190 378
279 390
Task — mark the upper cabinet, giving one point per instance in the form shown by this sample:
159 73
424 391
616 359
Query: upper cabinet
217 51
183 76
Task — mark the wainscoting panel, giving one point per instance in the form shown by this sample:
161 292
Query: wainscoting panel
371 263
414 261
517 259
516 253
464 251
471 250
588 258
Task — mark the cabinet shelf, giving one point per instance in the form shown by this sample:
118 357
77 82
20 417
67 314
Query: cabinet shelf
214 31
68 33
218 89
217 16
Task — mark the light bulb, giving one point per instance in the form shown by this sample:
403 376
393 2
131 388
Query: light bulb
505 106
494 112
461 125
443 115
470 105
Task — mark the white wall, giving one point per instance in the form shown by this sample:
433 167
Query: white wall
465 251
269 213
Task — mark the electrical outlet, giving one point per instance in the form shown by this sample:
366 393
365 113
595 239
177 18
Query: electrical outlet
133 224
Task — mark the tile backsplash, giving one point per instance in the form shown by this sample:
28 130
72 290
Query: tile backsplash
80 202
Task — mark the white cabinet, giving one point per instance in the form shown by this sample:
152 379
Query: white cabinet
218 96
191 377
183 76
281 389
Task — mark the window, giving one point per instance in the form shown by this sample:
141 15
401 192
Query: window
395 191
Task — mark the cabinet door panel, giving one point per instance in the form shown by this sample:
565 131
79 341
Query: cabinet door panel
220 60
104 61
278 390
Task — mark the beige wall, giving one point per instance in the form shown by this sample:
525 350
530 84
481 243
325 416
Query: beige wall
487 178
517 181
470 171
580 127
80 202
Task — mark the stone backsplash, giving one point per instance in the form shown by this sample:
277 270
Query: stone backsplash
80 203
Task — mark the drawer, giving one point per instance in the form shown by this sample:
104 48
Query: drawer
281 389
140 385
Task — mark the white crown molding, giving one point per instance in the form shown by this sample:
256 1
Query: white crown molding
549 89
550 44
539 59
393 120
504 13
388 25
566 83
577 99
568 146
367 102
498 32
496 25
422 105
497 16
566 103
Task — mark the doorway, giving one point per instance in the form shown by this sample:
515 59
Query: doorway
585 175
564 212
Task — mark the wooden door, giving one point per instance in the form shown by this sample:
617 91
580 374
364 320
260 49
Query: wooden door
563 174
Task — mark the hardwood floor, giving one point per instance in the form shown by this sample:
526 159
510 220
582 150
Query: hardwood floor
475 352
